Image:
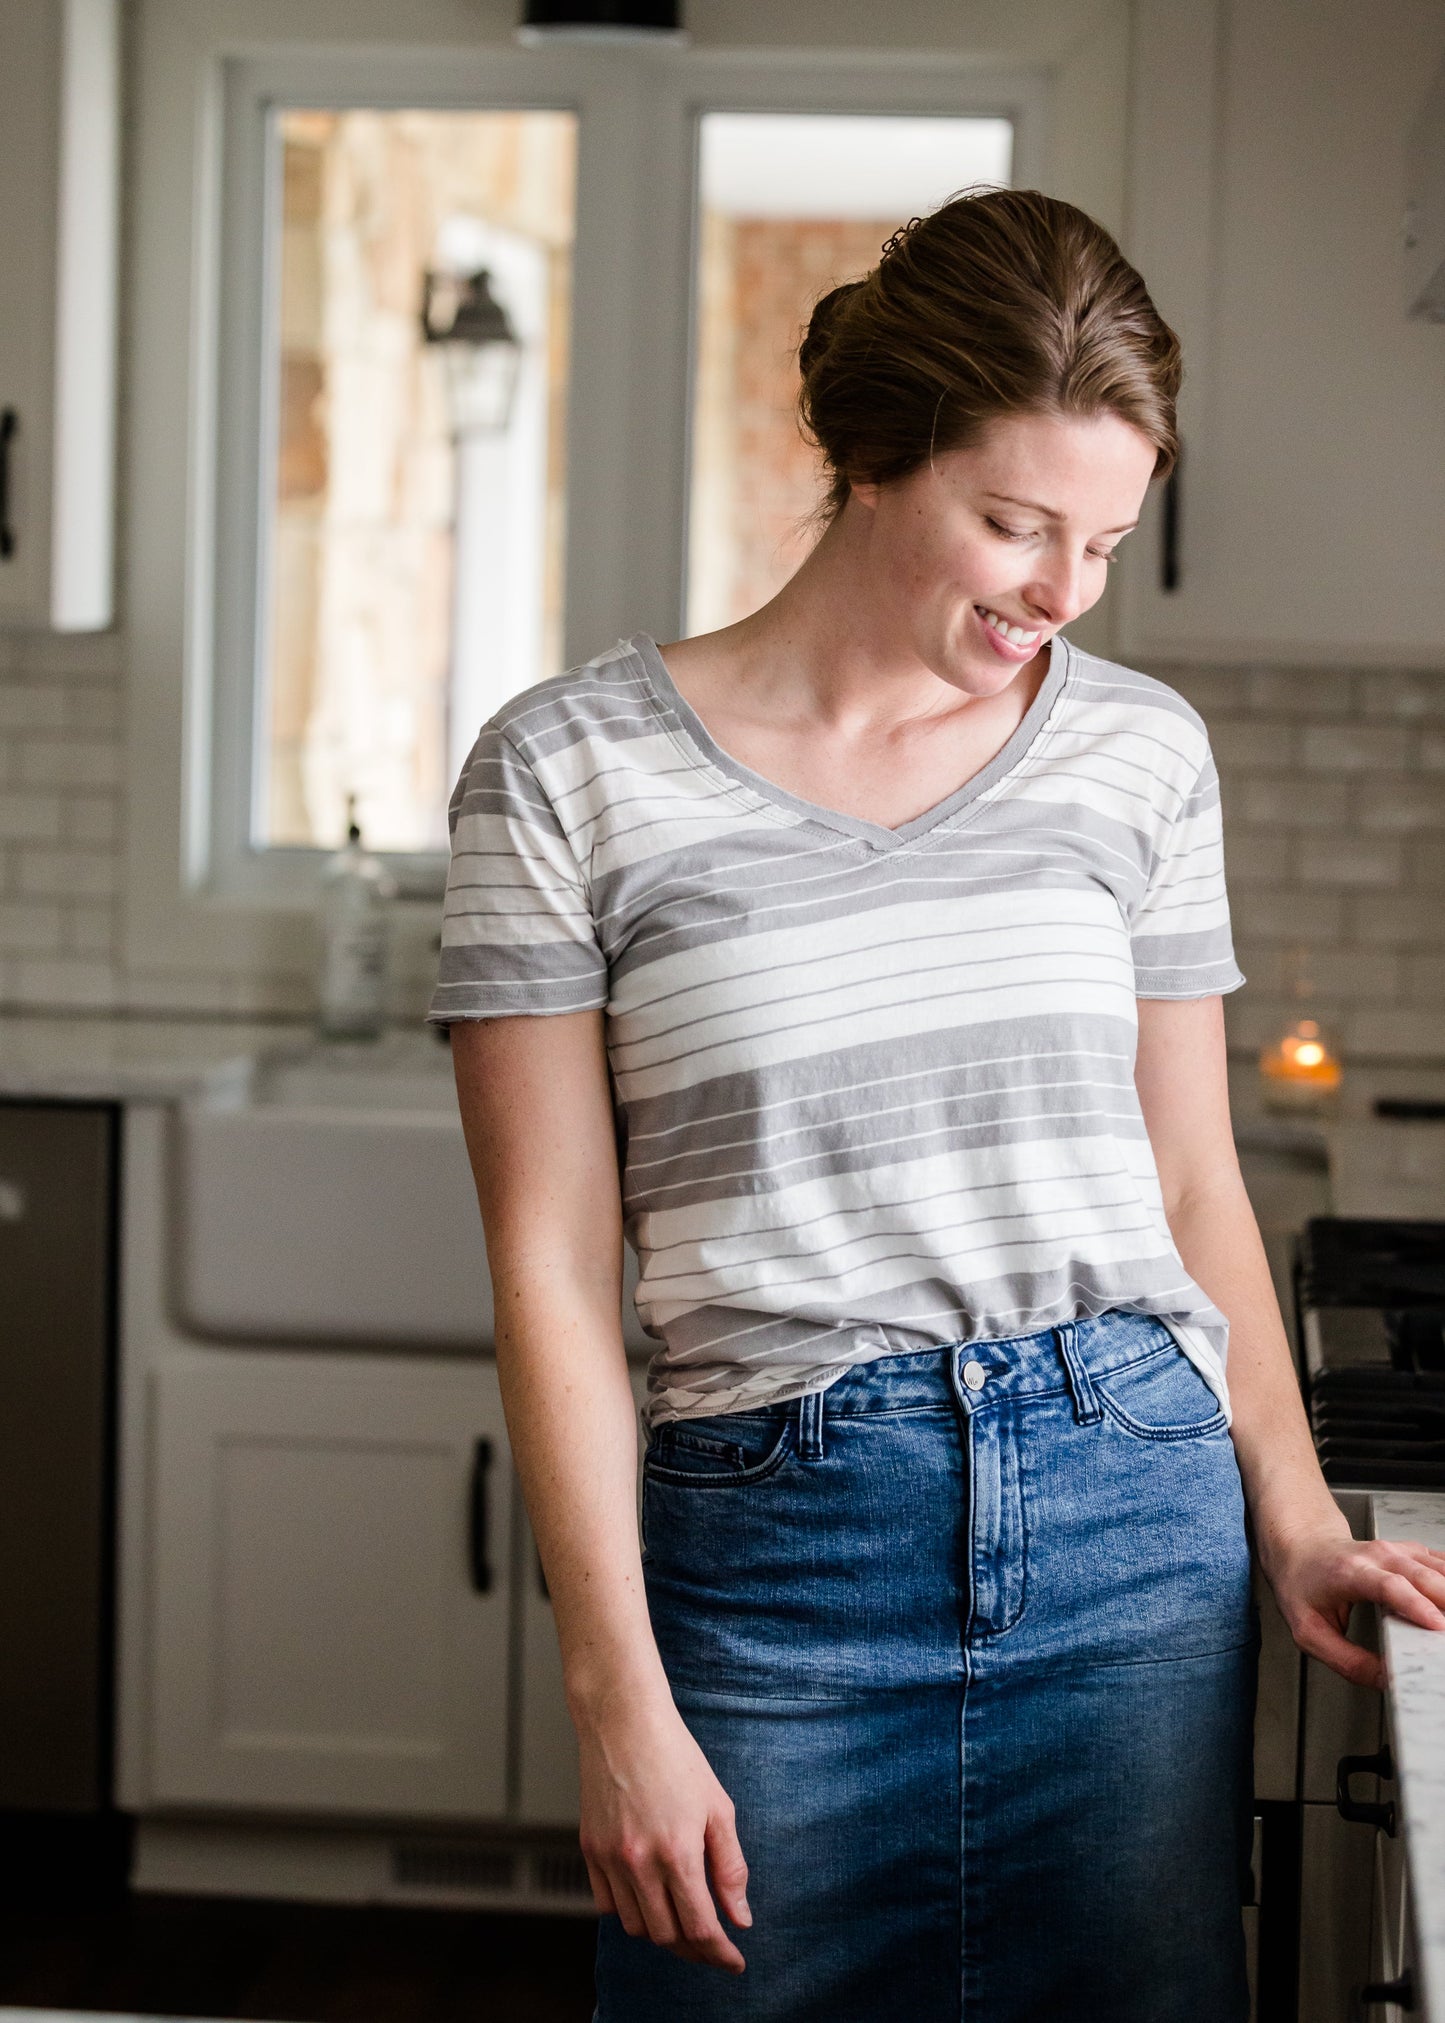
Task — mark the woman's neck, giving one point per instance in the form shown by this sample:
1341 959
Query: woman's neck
827 652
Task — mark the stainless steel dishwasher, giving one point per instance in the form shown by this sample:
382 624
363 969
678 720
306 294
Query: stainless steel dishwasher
57 1446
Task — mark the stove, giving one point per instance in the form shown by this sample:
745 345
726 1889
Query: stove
1370 1303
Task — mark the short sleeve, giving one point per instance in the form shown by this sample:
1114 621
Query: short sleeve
1180 933
517 927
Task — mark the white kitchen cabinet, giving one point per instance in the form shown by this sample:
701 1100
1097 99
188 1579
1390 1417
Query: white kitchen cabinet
1267 195
548 1785
59 214
1394 1960
331 1541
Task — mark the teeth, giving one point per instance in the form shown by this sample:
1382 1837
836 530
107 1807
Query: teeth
1015 634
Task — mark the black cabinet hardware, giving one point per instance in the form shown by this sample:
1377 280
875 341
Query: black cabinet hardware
9 427
1400 1991
1381 1764
481 1564
1408 1109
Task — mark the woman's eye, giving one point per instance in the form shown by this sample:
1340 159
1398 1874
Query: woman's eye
1104 554
1009 533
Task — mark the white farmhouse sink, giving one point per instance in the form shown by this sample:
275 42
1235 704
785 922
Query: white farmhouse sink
329 1199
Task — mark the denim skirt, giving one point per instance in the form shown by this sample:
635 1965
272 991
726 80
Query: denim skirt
969 1640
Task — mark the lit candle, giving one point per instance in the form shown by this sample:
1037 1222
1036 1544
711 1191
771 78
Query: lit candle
1299 1070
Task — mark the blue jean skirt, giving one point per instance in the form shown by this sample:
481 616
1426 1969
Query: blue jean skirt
969 1640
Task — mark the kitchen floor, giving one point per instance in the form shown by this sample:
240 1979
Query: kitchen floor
295 1963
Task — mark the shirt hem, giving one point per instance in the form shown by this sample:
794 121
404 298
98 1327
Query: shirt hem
538 999
1182 983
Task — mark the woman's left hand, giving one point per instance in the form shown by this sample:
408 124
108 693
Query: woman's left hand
1318 1576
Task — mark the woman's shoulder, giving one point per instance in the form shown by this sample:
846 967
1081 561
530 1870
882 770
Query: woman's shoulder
605 698
1125 698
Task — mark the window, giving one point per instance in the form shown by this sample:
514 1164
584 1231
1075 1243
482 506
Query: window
789 205
335 577
411 557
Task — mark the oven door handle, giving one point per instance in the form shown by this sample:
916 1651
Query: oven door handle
1381 1764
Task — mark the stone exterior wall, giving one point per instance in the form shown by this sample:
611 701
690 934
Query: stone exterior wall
362 578
756 481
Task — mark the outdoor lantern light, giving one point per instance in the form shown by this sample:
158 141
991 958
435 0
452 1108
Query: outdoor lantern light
600 21
481 350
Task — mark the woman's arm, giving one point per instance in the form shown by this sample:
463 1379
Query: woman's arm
537 1114
1315 1568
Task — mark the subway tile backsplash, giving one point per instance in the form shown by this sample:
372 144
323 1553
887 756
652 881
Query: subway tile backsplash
1333 784
1334 809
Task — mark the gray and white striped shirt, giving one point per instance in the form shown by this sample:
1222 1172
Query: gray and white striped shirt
874 1086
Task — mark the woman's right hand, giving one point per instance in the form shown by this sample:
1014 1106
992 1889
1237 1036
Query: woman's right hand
656 1824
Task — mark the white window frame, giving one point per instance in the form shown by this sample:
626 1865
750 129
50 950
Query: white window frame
199 896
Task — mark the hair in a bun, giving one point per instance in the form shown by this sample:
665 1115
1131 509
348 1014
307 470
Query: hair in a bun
1000 302
827 314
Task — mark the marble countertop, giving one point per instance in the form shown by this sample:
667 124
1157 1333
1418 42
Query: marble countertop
1415 1659
80 1059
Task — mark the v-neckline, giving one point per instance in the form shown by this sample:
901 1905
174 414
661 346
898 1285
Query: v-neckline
674 706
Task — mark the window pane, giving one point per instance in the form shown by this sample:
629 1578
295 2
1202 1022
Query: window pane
413 546
789 206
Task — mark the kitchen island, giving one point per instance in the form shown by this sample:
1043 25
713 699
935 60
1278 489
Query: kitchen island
1415 1659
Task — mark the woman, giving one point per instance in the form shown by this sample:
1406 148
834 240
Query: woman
882 936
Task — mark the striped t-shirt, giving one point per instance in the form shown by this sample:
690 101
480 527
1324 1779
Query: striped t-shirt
874 1086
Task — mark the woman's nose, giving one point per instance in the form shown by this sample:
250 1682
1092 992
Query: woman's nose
1057 591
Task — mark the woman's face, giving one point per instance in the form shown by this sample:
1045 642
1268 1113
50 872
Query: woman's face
1016 531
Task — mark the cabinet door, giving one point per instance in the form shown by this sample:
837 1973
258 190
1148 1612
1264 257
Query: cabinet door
59 228
1267 149
548 1790
27 223
331 1545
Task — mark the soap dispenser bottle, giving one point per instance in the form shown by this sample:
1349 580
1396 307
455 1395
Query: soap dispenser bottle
354 894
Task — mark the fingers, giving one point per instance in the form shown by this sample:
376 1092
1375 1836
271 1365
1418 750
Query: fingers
625 1899
601 1889
1425 1566
728 1868
1398 1592
697 1914
1318 1638
660 1893
1400 1576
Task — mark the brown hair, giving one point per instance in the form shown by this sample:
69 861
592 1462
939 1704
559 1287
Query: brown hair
1000 302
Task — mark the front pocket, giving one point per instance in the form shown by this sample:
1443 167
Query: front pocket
721 1451
1161 1397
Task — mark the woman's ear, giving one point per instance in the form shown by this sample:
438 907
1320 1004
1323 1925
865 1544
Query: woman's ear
865 491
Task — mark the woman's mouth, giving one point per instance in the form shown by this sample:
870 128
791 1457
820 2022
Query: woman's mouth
1011 641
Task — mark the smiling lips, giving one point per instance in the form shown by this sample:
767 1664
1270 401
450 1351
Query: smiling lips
1014 634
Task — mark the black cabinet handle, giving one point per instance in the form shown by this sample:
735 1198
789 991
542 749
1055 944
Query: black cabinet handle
1382 1764
1401 1992
1169 576
9 426
479 1552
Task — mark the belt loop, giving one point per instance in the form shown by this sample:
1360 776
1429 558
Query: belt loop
810 1426
1087 1408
